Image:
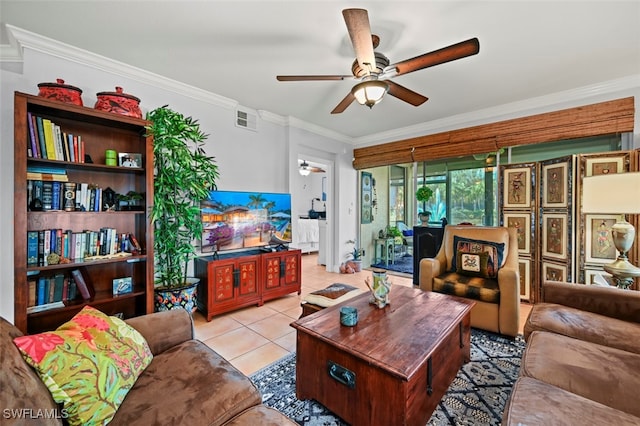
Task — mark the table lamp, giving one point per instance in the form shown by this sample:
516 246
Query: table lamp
616 193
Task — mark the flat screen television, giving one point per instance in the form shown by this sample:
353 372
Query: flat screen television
235 220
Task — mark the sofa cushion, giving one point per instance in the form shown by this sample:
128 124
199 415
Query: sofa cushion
89 363
187 384
476 288
533 402
596 372
583 325
468 245
472 264
20 386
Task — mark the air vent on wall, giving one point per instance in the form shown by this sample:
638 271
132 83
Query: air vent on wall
247 120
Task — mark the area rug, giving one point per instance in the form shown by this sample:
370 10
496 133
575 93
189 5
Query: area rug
402 264
477 395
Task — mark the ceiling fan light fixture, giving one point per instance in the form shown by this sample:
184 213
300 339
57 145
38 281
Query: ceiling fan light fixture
304 169
369 92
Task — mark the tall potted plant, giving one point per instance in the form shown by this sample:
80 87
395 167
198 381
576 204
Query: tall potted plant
423 194
184 175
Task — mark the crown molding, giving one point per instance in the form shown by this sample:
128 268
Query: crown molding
564 99
21 39
11 58
304 125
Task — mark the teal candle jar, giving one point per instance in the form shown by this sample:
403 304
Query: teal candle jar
348 316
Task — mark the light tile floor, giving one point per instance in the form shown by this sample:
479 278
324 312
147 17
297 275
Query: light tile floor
254 337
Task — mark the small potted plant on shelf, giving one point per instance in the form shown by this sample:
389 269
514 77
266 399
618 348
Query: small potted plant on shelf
424 194
184 175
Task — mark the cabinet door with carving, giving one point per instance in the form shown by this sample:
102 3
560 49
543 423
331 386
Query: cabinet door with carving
272 272
248 276
223 279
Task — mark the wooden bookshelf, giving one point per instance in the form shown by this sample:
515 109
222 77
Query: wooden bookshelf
100 131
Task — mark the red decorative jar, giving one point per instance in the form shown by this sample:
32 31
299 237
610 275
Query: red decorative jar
119 102
61 92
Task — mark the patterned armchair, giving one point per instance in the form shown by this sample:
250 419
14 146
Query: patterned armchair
479 263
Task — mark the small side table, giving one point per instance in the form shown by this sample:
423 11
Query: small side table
385 250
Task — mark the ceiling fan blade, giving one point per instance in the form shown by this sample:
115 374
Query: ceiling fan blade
343 104
405 94
440 56
357 21
311 77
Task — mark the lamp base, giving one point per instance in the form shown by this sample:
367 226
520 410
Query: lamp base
623 272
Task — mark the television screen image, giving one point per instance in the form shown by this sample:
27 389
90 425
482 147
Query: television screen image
235 220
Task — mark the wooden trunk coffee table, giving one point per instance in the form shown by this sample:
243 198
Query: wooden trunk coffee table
393 366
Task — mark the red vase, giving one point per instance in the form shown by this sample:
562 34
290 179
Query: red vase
60 92
119 102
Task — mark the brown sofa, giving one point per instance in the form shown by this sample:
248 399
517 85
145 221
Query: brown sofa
499 311
582 360
186 383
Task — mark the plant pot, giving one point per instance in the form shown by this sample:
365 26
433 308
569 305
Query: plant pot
424 218
183 297
356 265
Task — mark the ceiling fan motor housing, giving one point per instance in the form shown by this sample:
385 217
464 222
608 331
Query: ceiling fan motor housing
381 63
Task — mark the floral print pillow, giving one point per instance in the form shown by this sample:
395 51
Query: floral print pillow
89 364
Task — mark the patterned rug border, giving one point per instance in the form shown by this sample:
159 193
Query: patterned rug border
477 395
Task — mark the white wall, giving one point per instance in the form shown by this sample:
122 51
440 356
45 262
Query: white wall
265 160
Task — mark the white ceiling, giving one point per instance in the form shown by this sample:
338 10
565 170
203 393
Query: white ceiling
236 49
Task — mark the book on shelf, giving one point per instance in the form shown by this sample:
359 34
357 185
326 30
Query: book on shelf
45 307
31 298
41 247
57 140
56 195
80 149
49 139
47 177
32 248
46 169
81 284
134 244
41 139
72 155
33 141
58 287
47 195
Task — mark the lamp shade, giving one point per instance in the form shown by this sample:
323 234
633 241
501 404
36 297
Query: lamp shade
616 193
369 92
304 169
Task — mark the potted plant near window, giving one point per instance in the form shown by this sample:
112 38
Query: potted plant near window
184 175
423 194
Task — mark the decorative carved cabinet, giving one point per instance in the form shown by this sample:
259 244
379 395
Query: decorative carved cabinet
235 280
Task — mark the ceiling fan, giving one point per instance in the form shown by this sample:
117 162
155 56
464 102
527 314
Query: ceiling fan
373 70
305 169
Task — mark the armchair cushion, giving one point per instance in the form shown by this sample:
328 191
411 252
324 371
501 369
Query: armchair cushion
476 288
467 245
